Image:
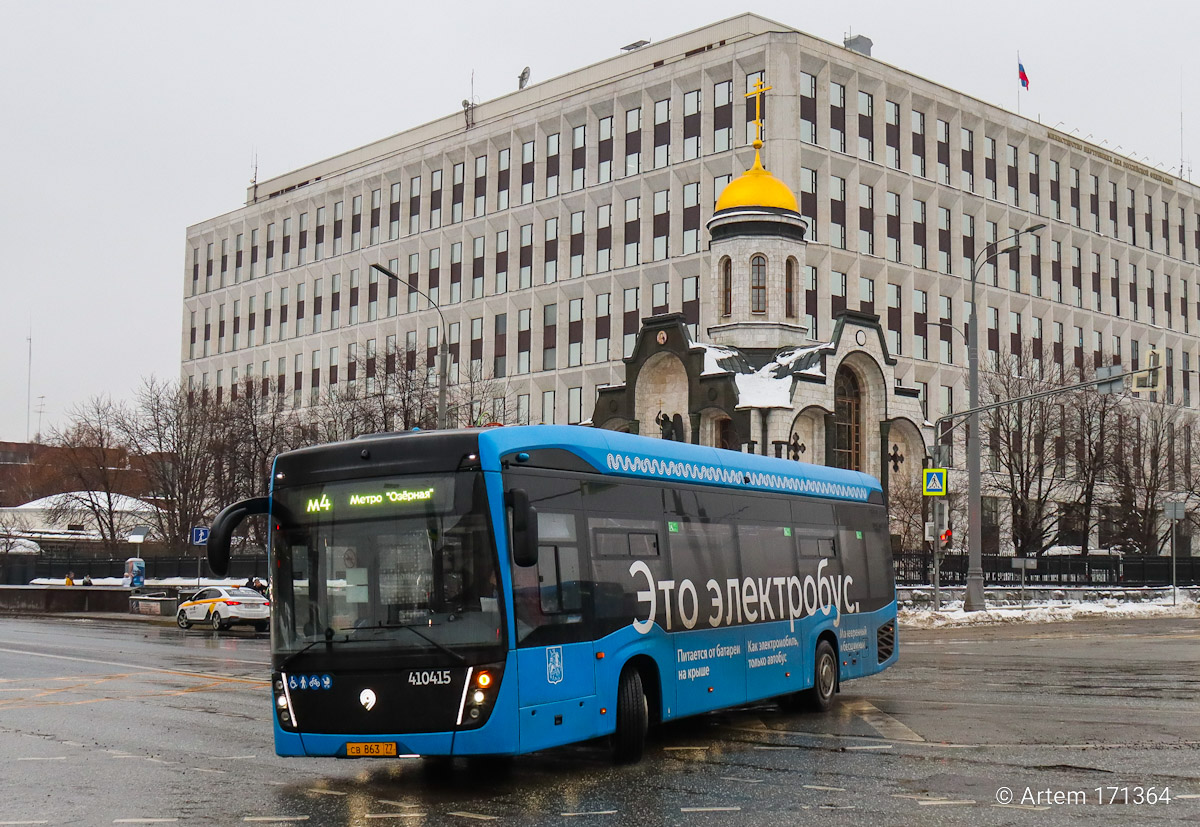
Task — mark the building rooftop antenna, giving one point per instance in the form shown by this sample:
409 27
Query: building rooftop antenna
253 175
523 78
29 381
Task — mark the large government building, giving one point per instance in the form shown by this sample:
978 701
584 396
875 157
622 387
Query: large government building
606 247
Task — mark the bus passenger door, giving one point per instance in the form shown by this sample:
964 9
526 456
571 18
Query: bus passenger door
556 670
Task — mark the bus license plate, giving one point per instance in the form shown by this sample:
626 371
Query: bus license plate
371 749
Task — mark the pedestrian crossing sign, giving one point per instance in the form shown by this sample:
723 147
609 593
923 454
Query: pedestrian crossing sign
933 482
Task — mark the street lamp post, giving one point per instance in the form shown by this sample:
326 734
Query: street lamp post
443 347
973 600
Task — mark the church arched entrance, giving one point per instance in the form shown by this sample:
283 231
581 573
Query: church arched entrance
847 420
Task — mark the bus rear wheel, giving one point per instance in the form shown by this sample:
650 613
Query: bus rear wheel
633 718
825 675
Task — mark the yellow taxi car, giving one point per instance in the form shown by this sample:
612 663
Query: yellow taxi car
223 606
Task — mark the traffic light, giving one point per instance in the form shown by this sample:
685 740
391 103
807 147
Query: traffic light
945 538
1152 378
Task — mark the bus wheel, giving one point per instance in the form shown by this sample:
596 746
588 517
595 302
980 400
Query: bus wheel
633 718
825 670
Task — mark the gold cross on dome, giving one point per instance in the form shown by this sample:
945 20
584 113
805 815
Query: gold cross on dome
757 93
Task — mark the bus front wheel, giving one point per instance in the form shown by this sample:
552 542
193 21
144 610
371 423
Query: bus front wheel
825 673
633 718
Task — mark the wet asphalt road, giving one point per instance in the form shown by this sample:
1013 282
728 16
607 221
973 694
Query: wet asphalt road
112 722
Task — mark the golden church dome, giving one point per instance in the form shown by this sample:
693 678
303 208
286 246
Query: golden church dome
757 188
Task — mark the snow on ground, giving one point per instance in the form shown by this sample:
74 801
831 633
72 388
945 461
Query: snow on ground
173 582
1050 612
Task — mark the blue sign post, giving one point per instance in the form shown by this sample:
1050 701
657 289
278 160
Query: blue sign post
200 535
933 482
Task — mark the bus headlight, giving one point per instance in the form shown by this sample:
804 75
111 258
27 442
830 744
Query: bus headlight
479 695
283 703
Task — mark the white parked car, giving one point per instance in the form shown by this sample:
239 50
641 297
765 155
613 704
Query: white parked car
223 606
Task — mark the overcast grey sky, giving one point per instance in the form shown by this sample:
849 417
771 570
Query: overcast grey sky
124 122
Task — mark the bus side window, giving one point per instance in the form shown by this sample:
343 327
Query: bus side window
827 547
643 545
558 565
558 579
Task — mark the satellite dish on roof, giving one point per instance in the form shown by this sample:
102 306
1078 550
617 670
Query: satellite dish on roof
523 78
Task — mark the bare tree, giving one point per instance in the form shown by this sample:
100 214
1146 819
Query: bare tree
12 525
1145 456
95 465
1095 414
480 398
1024 439
401 396
170 437
906 504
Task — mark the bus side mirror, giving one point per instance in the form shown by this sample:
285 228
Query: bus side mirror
223 527
524 529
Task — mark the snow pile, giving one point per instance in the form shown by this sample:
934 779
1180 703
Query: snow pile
954 615
712 356
762 390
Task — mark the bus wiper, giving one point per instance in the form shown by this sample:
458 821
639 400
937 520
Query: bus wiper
328 641
412 627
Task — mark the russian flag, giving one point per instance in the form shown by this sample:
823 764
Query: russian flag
1021 74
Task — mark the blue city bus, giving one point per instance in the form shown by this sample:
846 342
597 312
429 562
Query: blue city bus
505 590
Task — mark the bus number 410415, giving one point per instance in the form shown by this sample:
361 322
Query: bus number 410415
438 677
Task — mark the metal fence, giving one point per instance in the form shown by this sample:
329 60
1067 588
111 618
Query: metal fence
16 570
914 568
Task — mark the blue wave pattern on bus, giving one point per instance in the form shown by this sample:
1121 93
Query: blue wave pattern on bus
680 461
652 466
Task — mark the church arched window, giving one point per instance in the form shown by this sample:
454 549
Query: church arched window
758 284
789 288
727 288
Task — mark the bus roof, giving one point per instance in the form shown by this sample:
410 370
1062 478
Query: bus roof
629 455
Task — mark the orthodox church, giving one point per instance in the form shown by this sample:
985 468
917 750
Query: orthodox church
759 383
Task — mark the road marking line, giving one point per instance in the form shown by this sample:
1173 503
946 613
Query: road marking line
396 815
709 809
776 747
398 803
590 813
140 668
323 792
478 816
46 758
930 803
206 769
826 789
1187 796
234 758
881 722
275 818
919 797
742 780
1022 806
869 746
145 820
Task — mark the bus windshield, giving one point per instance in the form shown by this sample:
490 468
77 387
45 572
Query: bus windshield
403 562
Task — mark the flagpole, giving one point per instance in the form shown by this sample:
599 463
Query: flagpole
1020 86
